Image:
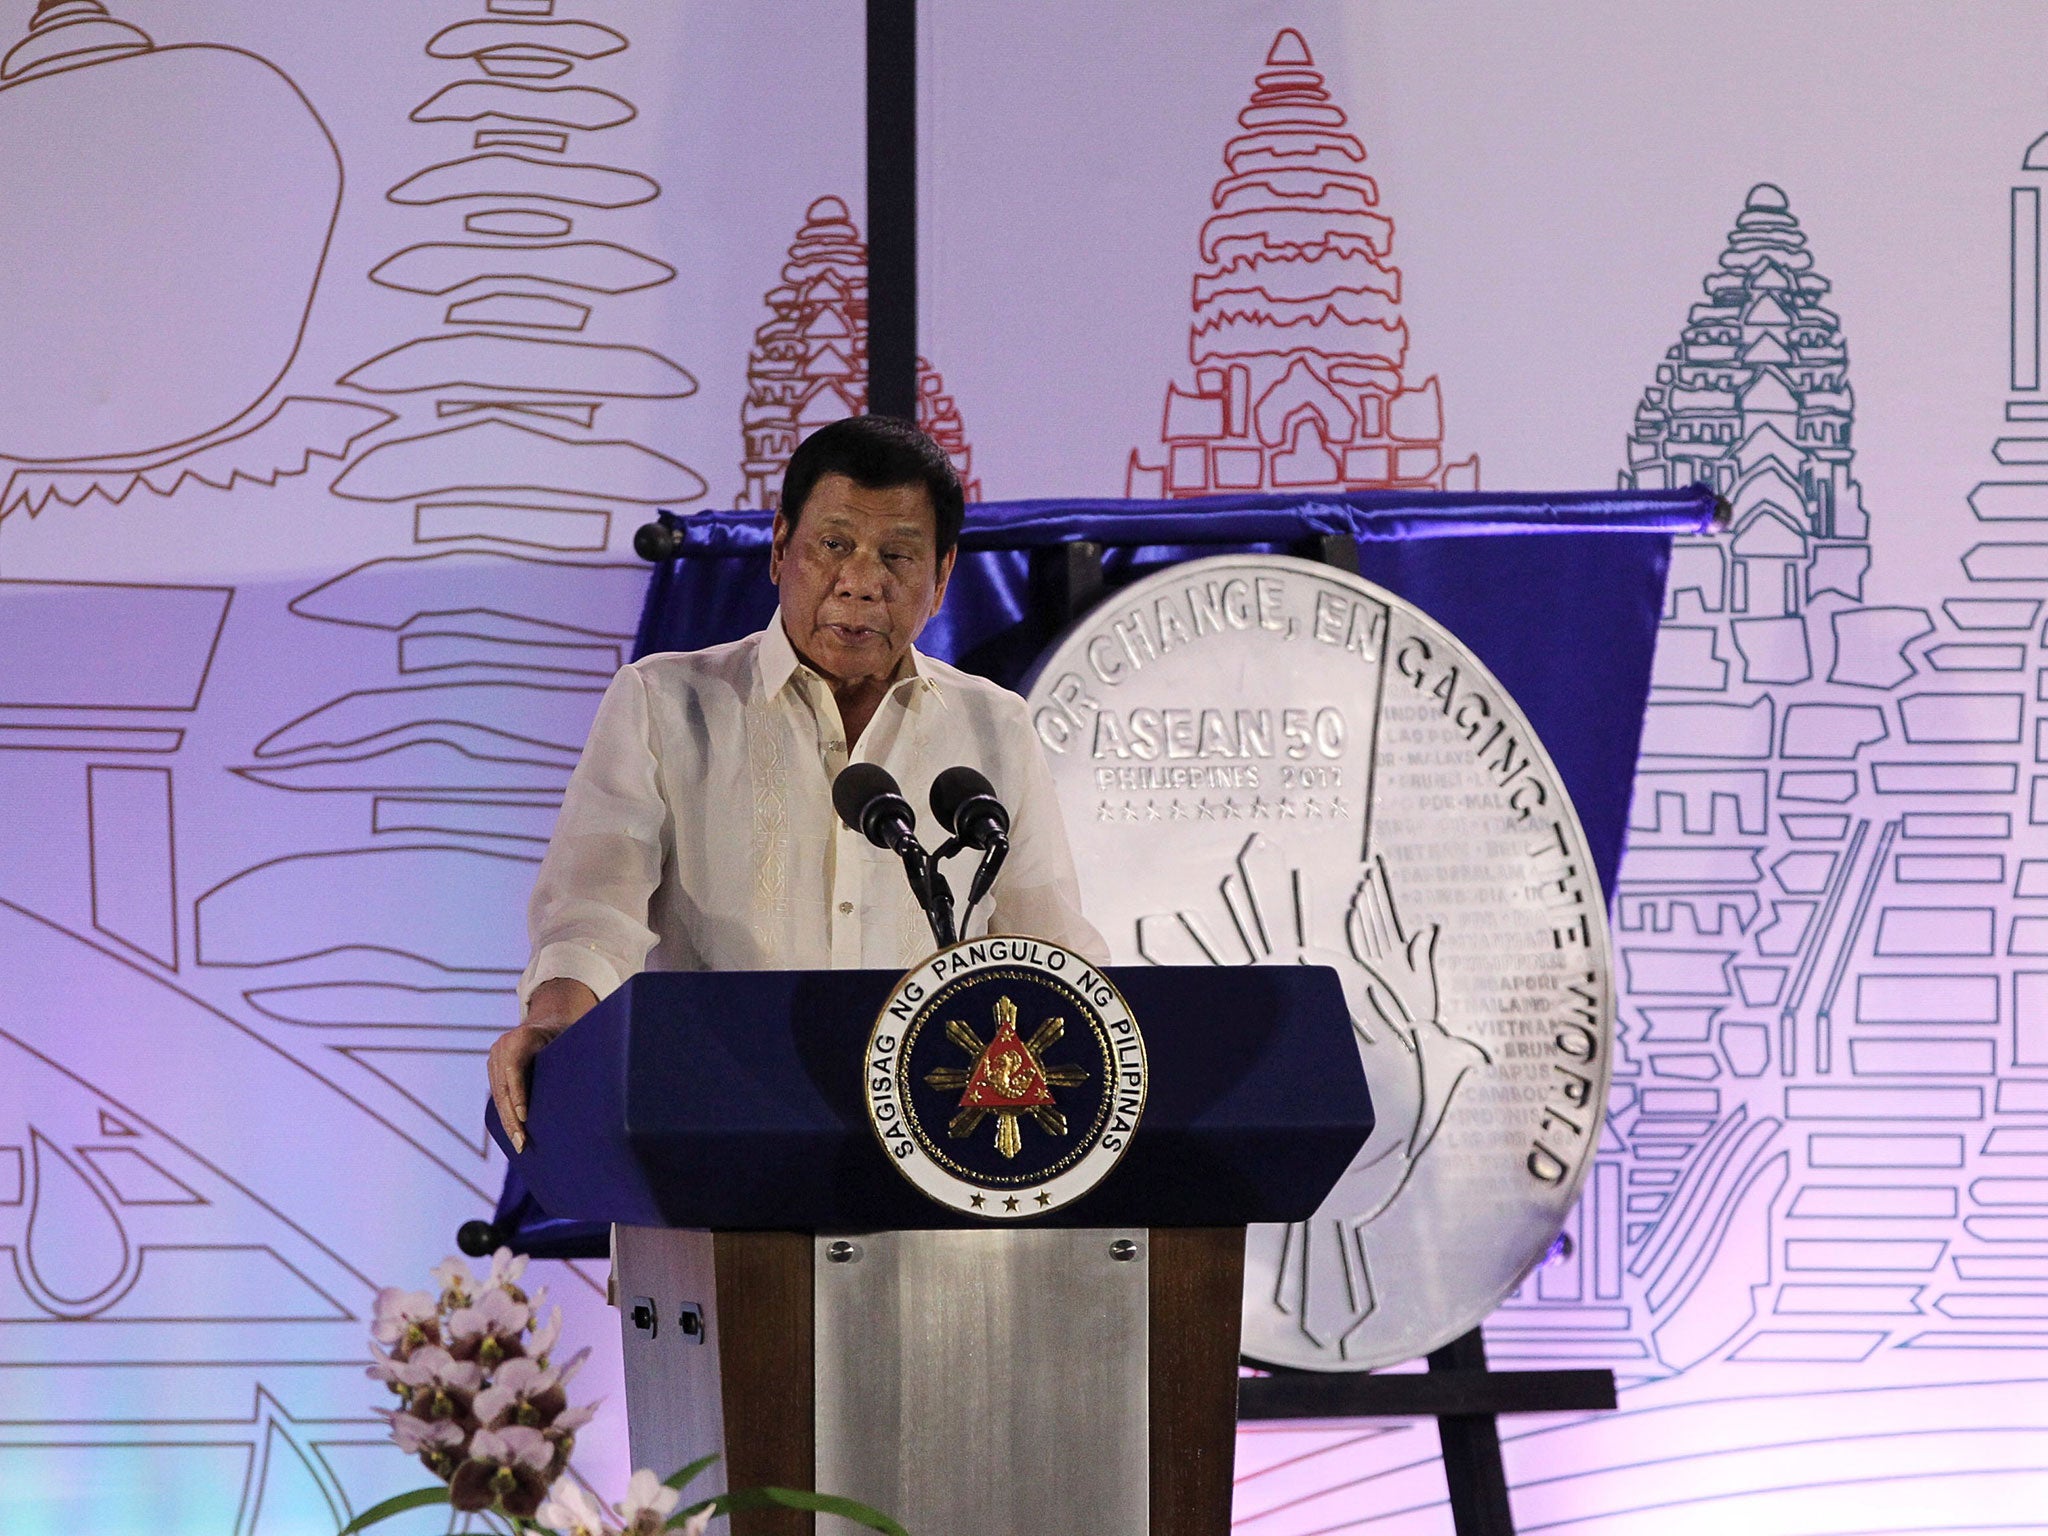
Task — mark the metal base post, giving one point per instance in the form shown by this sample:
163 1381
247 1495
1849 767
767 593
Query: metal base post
668 1324
976 1382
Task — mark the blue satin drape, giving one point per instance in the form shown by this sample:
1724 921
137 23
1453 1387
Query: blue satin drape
1559 595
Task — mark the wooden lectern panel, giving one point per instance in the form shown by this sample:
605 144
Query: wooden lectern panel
1197 1298
766 1362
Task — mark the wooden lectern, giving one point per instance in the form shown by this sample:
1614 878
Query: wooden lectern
788 1300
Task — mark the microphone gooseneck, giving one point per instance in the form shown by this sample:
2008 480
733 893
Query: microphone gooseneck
965 804
870 802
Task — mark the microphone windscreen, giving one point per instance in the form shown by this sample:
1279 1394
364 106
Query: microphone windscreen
953 789
856 788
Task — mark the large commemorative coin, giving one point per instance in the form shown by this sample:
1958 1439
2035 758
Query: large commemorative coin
1268 761
1005 1077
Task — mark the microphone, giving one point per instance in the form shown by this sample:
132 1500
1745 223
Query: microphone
966 806
870 802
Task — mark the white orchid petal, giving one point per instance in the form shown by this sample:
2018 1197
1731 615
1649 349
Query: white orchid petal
397 1311
454 1274
545 1334
571 1510
527 1444
646 1495
518 1375
415 1435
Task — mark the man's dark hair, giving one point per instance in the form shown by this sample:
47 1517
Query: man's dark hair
879 453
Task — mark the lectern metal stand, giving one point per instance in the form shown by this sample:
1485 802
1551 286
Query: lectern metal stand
1075 1380
986 1381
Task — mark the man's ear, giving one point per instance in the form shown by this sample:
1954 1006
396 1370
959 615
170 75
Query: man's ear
778 544
945 575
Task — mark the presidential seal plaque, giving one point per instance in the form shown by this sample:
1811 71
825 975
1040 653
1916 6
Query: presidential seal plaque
1005 1077
1268 761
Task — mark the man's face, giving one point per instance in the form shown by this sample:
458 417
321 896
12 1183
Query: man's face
859 575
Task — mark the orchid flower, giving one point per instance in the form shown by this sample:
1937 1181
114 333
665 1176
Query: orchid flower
523 1391
488 1331
405 1320
438 1444
571 1510
648 1504
506 1269
545 1334
433 1383
507 1467
458 1285
562 1433
415 1435
485 1408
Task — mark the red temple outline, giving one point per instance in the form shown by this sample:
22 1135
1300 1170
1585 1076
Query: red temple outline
809 363
1297 338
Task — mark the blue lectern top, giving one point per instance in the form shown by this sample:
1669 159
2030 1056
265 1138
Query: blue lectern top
733 1100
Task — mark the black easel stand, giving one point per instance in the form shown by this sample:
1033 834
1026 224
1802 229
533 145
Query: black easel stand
1459 1391
892 207
1464 1398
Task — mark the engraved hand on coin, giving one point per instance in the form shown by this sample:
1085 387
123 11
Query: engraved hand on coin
1411 834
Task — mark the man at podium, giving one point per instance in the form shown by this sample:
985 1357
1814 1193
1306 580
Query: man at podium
698 830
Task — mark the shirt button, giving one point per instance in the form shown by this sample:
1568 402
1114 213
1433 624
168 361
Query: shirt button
846 907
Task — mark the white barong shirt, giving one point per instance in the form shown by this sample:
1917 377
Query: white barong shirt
698 832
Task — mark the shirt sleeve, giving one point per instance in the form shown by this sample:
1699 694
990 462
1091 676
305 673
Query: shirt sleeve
588 916
1038 894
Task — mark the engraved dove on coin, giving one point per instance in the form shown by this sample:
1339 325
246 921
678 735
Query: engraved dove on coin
1414 1064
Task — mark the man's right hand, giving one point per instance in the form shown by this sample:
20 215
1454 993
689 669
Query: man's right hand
553 1007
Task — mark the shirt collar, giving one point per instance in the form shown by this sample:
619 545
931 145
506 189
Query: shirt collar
779 663
778 658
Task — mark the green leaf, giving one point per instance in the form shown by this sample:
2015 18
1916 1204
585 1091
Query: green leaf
398 1504
799 1498
682 1476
